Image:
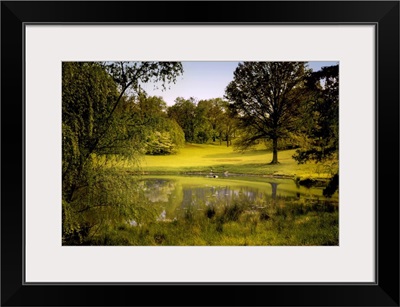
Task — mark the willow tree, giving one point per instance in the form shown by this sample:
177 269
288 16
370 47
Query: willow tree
265 97
94 126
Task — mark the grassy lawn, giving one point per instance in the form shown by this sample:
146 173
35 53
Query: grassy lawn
201 158
305 219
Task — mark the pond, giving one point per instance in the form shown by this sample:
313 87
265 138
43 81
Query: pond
176 194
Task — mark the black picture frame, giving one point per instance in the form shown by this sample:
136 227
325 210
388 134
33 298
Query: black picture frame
383 14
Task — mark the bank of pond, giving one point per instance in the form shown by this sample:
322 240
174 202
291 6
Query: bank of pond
222 210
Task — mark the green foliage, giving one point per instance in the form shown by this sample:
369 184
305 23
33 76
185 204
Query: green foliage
265 97
204 120
219 117
160 143
202 126
108 120
108 198
184 113
132 74
176 133
161 134
320 122
87 101
97 125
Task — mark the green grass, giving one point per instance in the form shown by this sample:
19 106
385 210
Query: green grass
284 223
305 221
200 158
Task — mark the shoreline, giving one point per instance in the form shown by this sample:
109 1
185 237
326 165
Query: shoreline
312 181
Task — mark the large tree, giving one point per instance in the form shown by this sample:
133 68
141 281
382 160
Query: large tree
265 97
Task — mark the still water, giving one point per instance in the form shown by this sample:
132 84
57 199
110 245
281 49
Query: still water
175 194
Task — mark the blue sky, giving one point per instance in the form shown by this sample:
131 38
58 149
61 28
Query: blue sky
205 80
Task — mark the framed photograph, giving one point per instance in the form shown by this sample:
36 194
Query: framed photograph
158 151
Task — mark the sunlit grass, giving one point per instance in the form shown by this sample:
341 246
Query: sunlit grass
289 222
201 158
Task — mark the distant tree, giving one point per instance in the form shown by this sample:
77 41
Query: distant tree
217 119
229 123
175 134
265 97
320 121
161 134
202 121
184 113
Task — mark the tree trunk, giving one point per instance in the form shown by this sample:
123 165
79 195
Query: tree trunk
274 151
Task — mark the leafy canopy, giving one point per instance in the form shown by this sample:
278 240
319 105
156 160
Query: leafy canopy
265 97
96 130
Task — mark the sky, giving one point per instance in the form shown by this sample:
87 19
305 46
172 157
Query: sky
205 80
